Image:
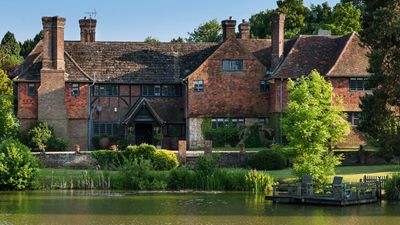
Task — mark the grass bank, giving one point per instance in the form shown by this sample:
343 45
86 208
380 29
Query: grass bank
56 178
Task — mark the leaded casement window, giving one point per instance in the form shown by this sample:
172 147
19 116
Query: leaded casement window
176 130
75 89
109 129
105 90
31 89
359 84
198 85
264 87
223 122
353 118
232 65
262 121
161 90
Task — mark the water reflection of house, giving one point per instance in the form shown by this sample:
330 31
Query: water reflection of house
133 90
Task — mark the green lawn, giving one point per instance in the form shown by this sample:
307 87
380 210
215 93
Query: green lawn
349 173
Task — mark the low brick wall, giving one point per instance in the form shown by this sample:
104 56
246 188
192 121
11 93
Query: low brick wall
66 160
227 159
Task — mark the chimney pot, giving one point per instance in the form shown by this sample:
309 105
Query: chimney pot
88 29
228 29
53 43
244 30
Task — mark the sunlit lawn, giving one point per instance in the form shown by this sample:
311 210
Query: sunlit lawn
350 173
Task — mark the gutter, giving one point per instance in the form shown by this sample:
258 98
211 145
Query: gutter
90 124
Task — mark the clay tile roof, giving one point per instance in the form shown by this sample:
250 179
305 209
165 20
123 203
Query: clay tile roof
261 49
353 60
123 62
308 53
136 62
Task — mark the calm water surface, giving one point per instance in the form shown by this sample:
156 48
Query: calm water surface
78 207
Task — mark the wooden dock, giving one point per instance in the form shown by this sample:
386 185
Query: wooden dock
342 194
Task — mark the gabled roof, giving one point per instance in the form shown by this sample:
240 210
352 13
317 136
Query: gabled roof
123 62
169 63
142 103
332 56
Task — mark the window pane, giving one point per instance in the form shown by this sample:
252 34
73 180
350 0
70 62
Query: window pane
157 90
198 85
353 84
31 89
75 90
232 65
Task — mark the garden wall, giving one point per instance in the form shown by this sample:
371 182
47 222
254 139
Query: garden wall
227 159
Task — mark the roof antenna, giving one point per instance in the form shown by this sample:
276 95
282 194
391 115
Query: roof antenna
92 14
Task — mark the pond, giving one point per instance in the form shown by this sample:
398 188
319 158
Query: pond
85 207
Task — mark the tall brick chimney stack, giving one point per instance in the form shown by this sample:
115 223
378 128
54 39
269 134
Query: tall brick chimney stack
53 43
88 29
51 92
244 30
278 38
228 29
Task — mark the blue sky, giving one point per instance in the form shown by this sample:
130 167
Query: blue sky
132 20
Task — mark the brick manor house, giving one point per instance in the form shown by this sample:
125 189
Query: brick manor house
134 90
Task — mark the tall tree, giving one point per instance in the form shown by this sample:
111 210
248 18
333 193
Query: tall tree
318 17
10 45
28 45
210 31
345 19
296 15
260 24
381 32
313 124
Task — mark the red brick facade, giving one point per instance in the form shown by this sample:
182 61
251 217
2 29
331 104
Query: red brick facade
228 94
55 65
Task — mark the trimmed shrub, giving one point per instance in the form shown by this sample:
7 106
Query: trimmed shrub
57 144
107 159
143 151
267 160
18 167
164 160
40 133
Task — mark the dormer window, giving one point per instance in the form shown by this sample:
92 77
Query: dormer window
232 65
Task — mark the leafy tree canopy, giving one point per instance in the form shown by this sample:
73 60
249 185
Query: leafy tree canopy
314 123
6 84
296 14
381 32
342 19
210 31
